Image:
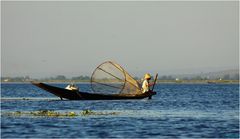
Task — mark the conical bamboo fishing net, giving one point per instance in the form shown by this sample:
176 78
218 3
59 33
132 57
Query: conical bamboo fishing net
111 78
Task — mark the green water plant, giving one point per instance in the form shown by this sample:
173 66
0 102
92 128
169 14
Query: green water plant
51 113
87 112
90 112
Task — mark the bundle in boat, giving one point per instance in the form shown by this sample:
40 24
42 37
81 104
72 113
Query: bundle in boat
110 78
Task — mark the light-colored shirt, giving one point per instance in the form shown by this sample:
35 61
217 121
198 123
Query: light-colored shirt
145 86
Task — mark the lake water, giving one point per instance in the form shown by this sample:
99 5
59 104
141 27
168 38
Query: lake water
177 111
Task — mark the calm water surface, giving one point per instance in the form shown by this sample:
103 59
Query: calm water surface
178 110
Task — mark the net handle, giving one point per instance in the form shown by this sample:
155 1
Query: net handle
125 76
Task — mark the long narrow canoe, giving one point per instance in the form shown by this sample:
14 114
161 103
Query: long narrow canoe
79 95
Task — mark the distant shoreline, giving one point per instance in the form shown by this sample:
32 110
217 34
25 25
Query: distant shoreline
158 82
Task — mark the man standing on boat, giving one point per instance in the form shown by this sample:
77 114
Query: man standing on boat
146 85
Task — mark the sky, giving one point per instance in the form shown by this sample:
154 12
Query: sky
42 39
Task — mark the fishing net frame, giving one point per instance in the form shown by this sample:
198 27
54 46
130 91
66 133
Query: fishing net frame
125 75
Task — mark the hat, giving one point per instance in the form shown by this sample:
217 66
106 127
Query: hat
147 76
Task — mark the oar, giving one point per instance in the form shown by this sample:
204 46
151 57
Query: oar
155 80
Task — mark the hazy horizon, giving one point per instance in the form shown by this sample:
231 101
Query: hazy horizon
43 39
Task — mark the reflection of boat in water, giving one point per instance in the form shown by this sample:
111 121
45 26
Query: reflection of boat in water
79 95
110 82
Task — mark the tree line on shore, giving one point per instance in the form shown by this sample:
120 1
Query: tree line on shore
62 78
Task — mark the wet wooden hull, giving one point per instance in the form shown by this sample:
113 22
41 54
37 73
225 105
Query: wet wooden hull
78 95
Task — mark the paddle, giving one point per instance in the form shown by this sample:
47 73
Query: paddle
155 80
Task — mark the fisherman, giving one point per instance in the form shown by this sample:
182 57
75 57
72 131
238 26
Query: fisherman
146 85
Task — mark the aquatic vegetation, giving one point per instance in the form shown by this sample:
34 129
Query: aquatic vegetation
86 112
72 114
46 113
51 113
90 112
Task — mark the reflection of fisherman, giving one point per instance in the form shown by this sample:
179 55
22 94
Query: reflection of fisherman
72 87
146 85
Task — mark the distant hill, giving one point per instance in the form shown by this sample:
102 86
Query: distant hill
225 74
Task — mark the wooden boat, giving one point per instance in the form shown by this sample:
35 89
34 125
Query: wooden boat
79 95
